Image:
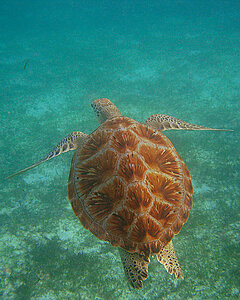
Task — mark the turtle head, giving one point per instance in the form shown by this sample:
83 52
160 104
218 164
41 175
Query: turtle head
105 109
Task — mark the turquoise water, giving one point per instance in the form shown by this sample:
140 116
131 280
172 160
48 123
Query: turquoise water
180 58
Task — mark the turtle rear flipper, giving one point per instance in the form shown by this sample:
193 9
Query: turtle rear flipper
168 258
70 142
164 122
135 267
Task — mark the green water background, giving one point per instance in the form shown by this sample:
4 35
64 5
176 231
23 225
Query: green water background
180 58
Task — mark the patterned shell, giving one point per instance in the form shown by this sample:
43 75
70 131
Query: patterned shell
128 186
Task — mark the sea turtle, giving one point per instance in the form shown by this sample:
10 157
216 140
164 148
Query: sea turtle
129 186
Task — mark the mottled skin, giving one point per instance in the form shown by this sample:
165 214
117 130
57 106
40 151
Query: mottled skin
129 186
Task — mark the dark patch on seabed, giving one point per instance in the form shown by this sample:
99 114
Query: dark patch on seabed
180 58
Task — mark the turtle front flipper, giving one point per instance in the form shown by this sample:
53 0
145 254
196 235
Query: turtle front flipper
70 142
164 122
167 256
135 267
105 109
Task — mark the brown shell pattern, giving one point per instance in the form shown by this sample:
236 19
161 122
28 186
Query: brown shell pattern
128 186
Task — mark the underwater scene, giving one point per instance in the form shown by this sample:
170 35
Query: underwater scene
175 57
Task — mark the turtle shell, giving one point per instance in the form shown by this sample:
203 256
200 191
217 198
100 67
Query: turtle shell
129 186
